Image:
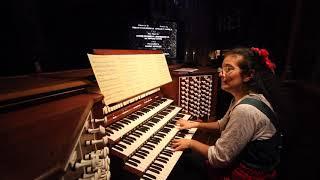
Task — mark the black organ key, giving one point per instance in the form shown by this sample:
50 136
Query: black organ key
165 130
125 141
145 127
132 138
184 131
154 170
163 113
150 145
142 130
158 116
155 120
152 141
155 138
170 107
161 137
139 113
135 134
179 115
125 122
108 134
146 178
161 160
147 147
145 110
122 146
166 154
132 163
154 104
132 117
160 134
109 131
149 124
165 158
168 151
118 125
142 150
150 175
159 165
167 110
170 126
140 156
156 167
119 148
180 135
135 160
150 107
114 127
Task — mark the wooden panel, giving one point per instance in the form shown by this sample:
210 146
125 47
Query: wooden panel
30 85
38 140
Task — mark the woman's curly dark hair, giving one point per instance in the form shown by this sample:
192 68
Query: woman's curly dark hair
253 62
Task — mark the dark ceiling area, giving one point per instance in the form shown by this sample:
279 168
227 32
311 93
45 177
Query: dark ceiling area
57 35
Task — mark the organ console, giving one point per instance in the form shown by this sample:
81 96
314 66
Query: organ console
61 126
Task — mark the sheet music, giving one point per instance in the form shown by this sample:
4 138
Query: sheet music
123 76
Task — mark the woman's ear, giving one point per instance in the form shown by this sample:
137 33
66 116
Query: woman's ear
249 76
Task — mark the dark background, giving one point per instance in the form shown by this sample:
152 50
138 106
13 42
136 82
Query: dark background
58 35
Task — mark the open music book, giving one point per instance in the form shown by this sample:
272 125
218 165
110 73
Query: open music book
121 77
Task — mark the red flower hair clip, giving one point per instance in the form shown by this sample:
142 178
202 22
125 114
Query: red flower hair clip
265 58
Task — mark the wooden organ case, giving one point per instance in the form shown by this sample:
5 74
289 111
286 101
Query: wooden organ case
59 126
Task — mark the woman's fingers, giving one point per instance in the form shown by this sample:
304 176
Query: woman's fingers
175 143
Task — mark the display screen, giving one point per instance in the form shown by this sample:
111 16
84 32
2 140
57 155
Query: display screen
154 35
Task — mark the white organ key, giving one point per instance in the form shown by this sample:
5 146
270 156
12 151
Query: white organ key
151 156
131 148
144 163
118 134
177 154
168 166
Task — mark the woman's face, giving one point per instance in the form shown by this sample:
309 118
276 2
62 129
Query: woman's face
231 78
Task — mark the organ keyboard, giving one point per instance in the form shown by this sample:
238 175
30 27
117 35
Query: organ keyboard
142 137
160 168
80 135
123 126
